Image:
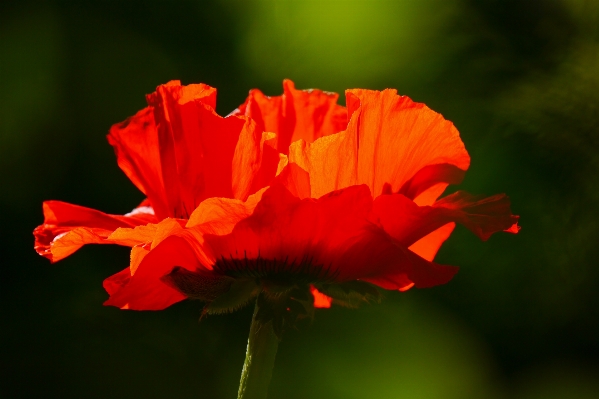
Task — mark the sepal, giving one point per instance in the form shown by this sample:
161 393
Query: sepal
240 293
285 308
223 294
351 294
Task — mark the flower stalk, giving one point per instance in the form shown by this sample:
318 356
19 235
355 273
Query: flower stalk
259 359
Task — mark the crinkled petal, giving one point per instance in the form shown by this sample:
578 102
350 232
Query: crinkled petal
68 227
204 155
391 144
407 222
428 246
330 163
398 137
115 282
415 271
295 115
144 290
140 287
429 183
296 180
146 234
255 161
220 215
135 143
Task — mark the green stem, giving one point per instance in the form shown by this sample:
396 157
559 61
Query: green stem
259 360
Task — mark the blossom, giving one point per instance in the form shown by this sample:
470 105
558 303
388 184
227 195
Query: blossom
293 199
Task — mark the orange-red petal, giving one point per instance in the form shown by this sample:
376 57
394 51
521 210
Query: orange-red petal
68 227
144 290
151 233
320 300
135 142
398 137
179 151
295 115
428 246
391 144
408 223
196 162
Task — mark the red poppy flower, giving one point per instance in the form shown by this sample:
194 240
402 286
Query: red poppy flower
351 207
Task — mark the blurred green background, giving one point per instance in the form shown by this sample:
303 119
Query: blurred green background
520 80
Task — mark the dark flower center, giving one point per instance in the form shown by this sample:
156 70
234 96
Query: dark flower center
283 272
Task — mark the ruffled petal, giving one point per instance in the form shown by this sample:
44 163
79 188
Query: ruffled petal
204 155
429 183
330 163
428 246
68 227
220 215
144 290
391 144
407 222
406 270
146 234
135 143
115 282
295 115
296 180
284 227
398 137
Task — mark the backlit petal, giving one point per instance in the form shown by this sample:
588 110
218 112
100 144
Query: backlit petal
391 144
407 222
135 143
428 246
68 227
204 155
320 300
295 115
144 290
398 137
151 233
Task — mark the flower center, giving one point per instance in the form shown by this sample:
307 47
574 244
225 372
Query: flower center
284 272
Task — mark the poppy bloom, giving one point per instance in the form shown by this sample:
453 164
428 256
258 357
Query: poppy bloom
292 199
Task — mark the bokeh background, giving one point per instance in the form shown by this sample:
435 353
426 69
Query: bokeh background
520 80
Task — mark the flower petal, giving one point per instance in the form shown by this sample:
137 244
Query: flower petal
295 115
414 271
429 183
144 290
204 155
135 143
330 163
391 144
151 233
428 246
284 227
320 300
398 137
407 222
68 227
331 237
